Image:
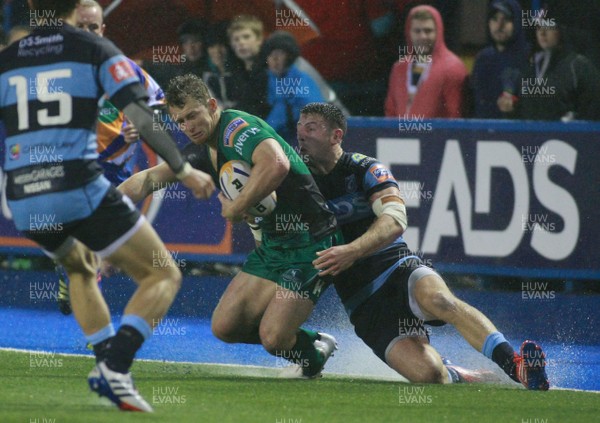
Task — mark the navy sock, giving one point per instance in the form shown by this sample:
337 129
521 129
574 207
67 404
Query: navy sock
100 350
122 348
503 356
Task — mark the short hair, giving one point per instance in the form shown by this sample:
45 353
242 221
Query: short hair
185 87
62 7
90 4
422 15
193 27
250 22
332 115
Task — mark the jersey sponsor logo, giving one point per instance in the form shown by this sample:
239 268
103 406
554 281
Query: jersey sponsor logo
381 173
239 144
36 175
36 187
121 70
107 112
232 129
357 157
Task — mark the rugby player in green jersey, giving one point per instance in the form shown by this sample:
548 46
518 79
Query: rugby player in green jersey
278 286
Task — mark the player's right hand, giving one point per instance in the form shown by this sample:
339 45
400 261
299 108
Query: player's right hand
200 183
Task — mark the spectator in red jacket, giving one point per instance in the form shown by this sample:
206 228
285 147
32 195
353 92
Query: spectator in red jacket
428 80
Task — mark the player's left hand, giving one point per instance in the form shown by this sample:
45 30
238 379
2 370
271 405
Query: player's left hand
229 210
335 260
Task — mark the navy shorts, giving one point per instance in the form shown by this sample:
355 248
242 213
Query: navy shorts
114 221
387 315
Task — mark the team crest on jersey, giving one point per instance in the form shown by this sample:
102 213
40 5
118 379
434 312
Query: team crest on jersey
15 152
357 157
381 173
232 129
121 70
350 183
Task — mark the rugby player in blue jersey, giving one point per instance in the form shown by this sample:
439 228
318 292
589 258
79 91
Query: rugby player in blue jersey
387 291
50 84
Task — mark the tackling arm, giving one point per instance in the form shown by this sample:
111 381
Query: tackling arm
389 225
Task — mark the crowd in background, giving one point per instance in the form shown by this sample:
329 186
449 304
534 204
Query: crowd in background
397 58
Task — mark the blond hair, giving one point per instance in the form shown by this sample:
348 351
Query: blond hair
250 22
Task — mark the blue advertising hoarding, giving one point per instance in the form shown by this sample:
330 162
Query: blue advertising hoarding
491 197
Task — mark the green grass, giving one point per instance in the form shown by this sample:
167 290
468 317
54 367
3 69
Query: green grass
56 391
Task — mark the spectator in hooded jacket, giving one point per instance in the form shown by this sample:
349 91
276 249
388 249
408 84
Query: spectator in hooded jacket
288 88
559 83
428 81
498 67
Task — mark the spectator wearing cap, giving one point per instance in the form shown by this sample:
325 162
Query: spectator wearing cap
288 88
498 68
559 83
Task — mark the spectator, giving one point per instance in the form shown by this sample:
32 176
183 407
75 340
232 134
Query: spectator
249 79
579 20
498 67
429 80
191 35
289 89
239 82
218 76
559 84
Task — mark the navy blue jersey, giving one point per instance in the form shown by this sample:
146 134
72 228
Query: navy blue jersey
50 85
347 189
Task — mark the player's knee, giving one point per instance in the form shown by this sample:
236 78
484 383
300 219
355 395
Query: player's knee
441 304
82 264
175 278
223 331
168 277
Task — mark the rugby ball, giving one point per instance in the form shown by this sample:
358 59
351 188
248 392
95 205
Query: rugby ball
233 177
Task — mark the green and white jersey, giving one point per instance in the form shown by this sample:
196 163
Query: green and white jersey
301 213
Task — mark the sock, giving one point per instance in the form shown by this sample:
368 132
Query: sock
305 354
100 340
503 355
100 350
130 337
453 375
497 348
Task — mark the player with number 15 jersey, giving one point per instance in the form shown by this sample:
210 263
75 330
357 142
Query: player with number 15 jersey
50 154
